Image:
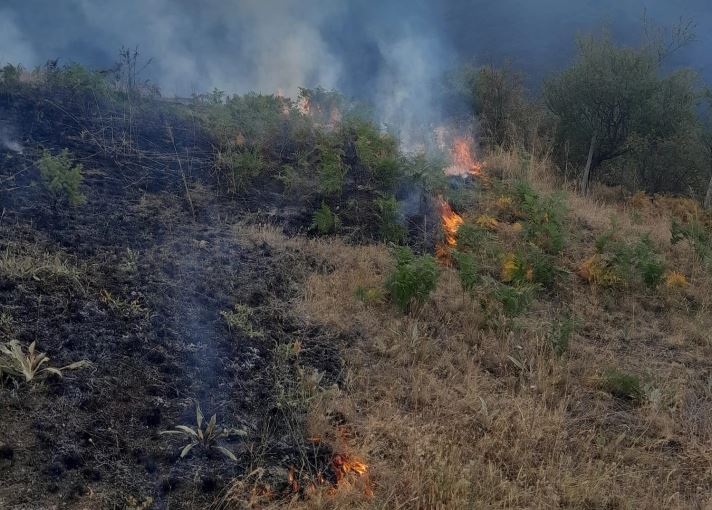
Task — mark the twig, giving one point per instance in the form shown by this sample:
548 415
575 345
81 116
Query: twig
182 173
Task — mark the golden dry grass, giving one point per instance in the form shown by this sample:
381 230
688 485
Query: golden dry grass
453 408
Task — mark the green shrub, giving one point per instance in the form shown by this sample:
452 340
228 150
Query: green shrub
240 167
517 298
560 335
61 178
378 152
625 261
332 171
467 270
413 280
388 211
622 385
472 237
544 218
324 220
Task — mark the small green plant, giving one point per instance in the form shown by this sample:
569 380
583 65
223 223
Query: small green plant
473 237
622 385
324 220
389 216
516 299
240 318
467 270
61 178
123 307
207 437
331 169
622 260
32 366
240 166
544 218
413 280
369 295
560 335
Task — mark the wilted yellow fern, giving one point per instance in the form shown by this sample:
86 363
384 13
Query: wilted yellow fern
676 280
487 222
596 270
509 267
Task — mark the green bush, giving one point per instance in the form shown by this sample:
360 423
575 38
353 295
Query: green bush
413 280
332 171
378 152
390 228
467 270
324 220
61 178
544 218
627 261
560 335
240 167
472 237
517 298
622 385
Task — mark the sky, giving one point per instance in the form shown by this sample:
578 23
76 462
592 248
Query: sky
386 51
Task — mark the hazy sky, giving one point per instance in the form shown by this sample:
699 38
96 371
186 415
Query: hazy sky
368 48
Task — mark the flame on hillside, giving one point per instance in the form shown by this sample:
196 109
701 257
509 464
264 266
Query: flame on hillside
451 222
464 163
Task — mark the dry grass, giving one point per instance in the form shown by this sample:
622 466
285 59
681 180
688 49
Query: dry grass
455 409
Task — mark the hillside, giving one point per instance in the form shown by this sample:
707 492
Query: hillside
372 329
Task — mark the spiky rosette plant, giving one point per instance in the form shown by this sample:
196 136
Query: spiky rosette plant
33 365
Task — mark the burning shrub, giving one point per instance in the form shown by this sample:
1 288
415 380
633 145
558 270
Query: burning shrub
61 178
324 220
413 279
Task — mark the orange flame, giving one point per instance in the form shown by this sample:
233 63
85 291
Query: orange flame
451 222
463 162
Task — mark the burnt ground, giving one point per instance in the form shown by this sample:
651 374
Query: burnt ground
134 281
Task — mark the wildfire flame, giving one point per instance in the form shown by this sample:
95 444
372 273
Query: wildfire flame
463 162
451 222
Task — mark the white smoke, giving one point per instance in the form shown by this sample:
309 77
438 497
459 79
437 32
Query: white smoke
264 45
8 141
14 47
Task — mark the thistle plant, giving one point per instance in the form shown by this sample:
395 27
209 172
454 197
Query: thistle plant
32 366
206 436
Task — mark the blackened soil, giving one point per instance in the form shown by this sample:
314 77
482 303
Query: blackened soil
134 281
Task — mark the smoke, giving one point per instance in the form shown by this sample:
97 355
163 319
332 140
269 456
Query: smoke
8 141
14 47
387 52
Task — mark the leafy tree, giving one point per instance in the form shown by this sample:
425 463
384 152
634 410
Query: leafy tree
614 102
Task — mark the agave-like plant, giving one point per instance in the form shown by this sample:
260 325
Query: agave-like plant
32 366
206 436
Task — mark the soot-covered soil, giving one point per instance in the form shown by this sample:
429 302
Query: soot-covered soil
135 282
